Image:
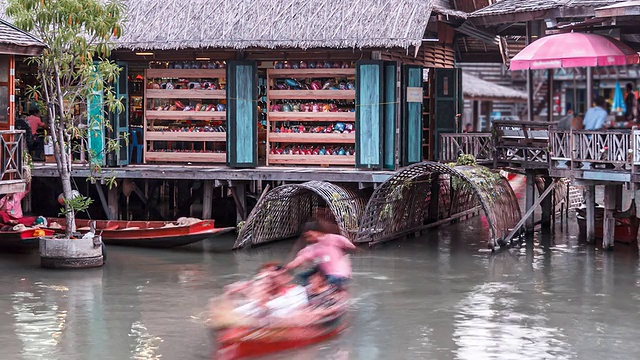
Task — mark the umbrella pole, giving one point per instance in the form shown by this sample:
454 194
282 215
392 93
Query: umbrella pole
589 88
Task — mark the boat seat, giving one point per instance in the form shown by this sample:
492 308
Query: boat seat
110 227
132 228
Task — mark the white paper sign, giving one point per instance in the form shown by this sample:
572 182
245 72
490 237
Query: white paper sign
414 94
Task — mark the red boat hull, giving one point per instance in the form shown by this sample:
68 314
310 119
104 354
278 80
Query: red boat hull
242 343
152 234
625 230
20 241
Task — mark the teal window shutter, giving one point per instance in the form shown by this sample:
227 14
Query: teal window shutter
369 114
95 126
412 97
390 113
242 114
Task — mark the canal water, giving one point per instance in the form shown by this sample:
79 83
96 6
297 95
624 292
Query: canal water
438 297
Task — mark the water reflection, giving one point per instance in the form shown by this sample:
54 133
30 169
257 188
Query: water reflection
489 325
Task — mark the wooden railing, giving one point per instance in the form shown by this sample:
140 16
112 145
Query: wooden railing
12 146
480 145
521 143
610 151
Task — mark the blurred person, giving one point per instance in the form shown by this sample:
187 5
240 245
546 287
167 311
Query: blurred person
11 209
327 252
595 117
565 122
631 104
35 123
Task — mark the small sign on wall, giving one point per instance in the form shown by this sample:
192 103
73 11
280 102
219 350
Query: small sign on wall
414 94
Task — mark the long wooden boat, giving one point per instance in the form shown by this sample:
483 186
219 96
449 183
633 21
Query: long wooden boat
248 342
626 225
152 234
22 240
241 335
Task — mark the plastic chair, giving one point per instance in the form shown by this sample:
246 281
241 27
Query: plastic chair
135 144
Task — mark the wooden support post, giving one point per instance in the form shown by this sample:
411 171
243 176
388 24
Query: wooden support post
547 206
590 202
530 198
207 199
239 191
434 205
619 191
113 202
609 222
103 201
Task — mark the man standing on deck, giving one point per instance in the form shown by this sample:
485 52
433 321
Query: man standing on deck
595 117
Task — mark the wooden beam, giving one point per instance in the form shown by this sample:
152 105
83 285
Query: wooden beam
609 222
528 216
113 202
103 201
547 206
530 198
590 200
207 199
238 192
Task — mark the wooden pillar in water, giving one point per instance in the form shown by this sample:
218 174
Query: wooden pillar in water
207 199
530 198
590 200
619 197
609 222
112 201
239 191
547 205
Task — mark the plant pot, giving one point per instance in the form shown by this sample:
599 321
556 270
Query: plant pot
63 253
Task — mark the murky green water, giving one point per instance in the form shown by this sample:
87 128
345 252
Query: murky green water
440 297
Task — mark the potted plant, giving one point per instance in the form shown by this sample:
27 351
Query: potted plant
73 68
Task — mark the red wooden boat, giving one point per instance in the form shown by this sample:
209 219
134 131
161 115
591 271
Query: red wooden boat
626 227
153 234
244 336
247 342
25 239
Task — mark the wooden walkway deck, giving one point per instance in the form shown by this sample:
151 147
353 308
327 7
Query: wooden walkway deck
223 173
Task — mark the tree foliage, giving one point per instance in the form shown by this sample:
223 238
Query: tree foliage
74 67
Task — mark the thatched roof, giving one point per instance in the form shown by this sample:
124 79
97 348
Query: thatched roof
510 7
447 11
241 24
17 42
476 88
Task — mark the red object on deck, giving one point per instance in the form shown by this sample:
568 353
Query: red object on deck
573 50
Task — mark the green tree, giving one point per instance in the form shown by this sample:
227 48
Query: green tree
75 66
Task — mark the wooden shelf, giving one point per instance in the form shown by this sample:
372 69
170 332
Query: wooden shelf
312 94
311 73
186 73
163 118
185 157
185 136
186 94
331 160
313 138
185 115
312 116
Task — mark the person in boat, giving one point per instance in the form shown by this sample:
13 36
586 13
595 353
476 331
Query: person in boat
328 253
11 209
319 291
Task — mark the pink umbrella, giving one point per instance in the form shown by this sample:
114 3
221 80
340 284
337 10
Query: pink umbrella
573 50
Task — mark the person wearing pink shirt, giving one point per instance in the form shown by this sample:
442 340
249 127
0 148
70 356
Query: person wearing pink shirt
11 209
327 253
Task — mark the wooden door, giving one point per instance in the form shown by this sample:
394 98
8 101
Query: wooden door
447 104
242 114
390 113
412 96
369 114
7 92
